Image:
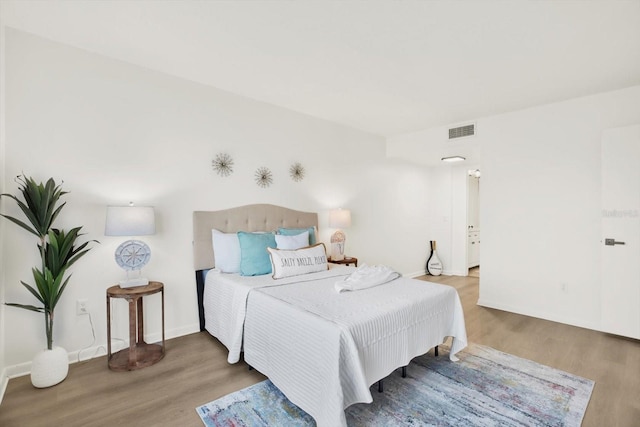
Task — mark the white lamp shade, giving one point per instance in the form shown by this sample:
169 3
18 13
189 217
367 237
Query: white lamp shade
130 221
340 218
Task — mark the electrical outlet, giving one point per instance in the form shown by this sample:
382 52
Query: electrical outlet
81 307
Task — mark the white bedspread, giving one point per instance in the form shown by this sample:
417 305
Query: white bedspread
324 349
225 298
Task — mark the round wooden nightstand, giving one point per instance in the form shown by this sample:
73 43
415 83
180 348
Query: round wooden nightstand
345 261
139 354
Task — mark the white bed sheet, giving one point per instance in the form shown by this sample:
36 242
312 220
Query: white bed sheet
323 350
225 298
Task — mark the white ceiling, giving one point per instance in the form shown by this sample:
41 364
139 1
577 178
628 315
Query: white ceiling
386 67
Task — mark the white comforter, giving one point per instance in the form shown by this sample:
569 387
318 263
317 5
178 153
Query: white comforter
225 300
324 349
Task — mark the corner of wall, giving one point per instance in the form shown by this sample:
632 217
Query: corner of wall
414 274
4 380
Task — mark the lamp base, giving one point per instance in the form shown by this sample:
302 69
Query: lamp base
132 283
337 251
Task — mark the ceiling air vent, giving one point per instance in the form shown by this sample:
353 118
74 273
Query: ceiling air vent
462 131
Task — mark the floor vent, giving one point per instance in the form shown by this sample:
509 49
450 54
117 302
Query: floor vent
462 131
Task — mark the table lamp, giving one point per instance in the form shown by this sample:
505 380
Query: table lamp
339 218
131 255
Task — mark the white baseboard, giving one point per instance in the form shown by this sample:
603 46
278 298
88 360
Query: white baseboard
172 333
581 323
22 369
444 273
456 273
414 274
18 370
3 383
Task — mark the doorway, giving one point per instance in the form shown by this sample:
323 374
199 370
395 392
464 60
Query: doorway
473 222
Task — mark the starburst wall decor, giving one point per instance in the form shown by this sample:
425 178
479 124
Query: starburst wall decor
223 164
296 171
263 177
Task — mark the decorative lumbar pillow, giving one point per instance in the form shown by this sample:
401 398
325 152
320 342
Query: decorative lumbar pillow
287 263
254 258
294 231
296 241
226 251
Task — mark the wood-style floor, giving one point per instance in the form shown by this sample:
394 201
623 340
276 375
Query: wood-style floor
195 371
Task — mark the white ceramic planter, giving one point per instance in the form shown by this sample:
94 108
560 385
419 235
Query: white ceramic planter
49 367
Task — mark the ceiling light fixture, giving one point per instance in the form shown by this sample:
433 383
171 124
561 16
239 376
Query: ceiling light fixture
453 159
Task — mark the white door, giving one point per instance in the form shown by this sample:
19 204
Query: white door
621 231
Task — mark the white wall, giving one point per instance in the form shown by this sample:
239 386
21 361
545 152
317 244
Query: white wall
540 207
115 132
3 379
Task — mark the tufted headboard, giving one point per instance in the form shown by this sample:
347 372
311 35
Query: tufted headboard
244 218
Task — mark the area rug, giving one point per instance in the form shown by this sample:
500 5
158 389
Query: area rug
485 388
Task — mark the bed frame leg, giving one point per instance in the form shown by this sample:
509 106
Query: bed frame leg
200 292
404 372
380 387
436 351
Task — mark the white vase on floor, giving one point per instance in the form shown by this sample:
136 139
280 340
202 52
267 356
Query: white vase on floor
49 367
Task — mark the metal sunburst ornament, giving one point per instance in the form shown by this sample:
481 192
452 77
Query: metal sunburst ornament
223 164
263 177
296 171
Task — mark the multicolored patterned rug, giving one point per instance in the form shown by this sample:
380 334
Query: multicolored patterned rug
485 388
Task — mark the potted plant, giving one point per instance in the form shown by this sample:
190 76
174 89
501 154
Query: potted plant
58 251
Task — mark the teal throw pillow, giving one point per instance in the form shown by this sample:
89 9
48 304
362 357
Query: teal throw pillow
294 231
254 258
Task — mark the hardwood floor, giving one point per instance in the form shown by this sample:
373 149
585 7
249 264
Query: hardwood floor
195 371
611 361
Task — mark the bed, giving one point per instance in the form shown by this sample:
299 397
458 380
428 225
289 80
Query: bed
321 348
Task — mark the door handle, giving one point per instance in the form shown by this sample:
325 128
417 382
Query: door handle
612 242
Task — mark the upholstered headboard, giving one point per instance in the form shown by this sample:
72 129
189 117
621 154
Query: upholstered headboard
244 218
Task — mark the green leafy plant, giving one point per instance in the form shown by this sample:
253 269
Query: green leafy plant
58 249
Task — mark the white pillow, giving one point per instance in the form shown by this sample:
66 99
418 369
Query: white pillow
226 251
296 241
287 263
